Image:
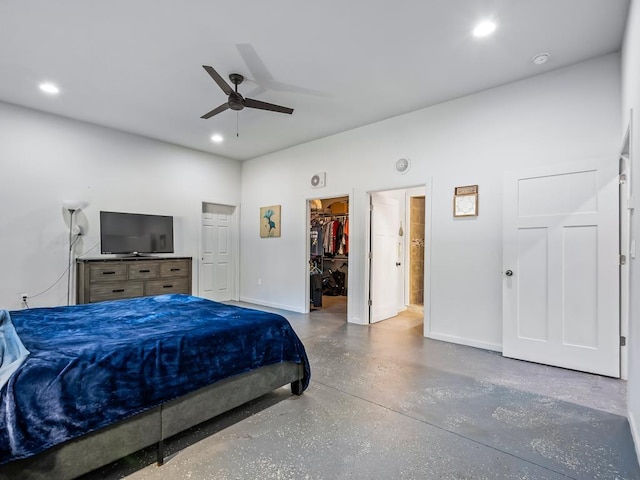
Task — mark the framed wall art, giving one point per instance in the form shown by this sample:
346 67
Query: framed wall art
270 221
465 201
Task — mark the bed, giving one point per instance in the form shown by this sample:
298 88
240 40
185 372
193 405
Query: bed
85 385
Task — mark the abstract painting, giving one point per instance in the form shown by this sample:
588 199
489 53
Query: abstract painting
270 221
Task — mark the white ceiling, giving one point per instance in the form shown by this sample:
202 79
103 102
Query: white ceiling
136 65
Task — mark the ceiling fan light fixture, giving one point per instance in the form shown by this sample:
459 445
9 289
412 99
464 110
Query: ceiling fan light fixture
484 28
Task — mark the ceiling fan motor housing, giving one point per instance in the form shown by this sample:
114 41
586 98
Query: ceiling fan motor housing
236 102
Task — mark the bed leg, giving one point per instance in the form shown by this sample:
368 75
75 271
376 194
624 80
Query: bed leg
160 452
296 387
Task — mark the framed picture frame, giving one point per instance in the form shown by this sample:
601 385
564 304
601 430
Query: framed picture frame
465 201
270 221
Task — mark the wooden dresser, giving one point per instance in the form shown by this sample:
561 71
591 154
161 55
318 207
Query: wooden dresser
114 278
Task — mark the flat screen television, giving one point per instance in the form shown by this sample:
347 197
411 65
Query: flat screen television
135 233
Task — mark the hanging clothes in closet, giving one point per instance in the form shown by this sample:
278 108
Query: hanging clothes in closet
315 283
316 236
316 251
335 234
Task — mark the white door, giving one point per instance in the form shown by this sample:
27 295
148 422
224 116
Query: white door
625 249
385 222
217 268
560 290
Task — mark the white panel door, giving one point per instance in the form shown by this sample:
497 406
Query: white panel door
561 273
385 222
217 268
625 250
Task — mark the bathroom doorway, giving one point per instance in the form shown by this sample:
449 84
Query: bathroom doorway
397 256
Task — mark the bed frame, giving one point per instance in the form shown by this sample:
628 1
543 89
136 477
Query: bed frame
85 454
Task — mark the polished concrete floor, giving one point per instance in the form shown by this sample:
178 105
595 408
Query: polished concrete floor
386 403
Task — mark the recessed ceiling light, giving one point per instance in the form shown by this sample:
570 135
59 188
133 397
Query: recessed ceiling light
217 138
49 88
484 28
540 58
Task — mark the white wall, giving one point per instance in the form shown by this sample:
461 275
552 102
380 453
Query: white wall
46 159
631 100
565 115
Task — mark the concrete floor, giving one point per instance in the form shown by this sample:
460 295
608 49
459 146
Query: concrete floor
386 403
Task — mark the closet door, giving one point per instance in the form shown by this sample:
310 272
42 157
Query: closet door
218 267
561 266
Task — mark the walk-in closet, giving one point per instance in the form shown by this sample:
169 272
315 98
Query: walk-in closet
328 252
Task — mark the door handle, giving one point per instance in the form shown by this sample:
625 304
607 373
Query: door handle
398 264
508 273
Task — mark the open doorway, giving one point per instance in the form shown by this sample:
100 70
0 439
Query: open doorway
329 255
415 272
397 258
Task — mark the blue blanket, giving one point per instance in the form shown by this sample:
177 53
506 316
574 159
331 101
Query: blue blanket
93 365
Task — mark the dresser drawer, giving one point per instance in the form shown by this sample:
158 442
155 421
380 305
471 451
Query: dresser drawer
143 270
107 273
169 285
174 268
115 291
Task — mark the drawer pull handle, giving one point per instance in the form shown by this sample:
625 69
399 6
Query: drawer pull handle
108 273
118 290
175 269
167 286
144 271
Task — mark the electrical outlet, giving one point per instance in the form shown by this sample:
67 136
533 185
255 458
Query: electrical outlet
23 297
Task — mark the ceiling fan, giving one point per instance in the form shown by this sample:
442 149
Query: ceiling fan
237 101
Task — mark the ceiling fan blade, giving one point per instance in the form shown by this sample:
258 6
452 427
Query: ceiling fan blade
218 79
216 111
251 103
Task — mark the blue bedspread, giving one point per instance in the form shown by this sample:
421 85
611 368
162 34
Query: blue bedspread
92 365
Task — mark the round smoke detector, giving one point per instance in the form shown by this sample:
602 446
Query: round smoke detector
540 58
402 166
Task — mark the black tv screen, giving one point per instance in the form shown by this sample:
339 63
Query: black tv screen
135 233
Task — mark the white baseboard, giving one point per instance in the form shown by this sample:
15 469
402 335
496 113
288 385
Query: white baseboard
465 341
635 433
264 303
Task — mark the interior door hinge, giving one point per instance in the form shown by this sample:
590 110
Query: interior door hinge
370 302
623 178
370 255
623 341
623 259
